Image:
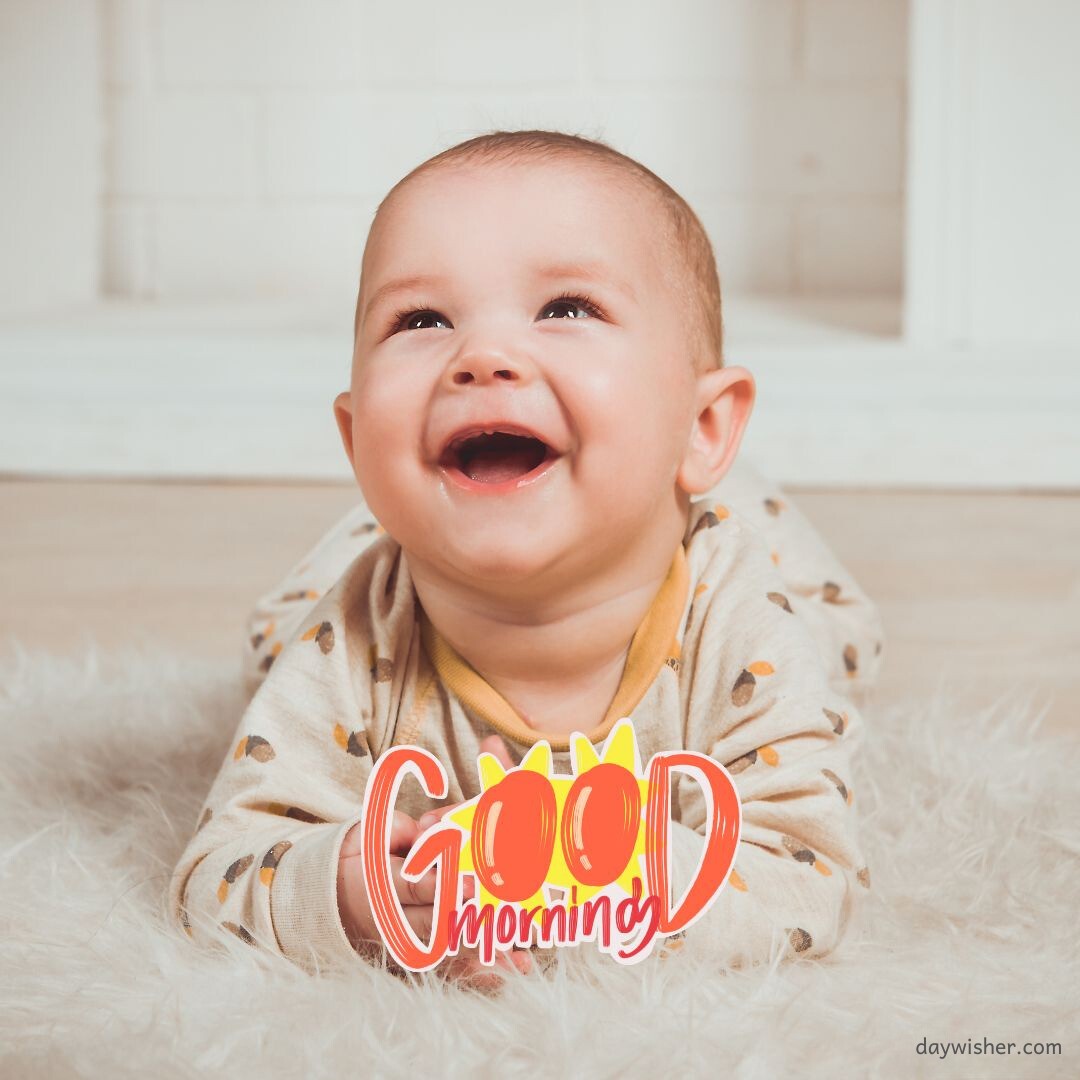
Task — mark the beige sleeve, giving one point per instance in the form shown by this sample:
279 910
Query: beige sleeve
261 866
844 622
768 714
281 612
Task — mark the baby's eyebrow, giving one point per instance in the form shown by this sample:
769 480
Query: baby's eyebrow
580 270
587 271
398 285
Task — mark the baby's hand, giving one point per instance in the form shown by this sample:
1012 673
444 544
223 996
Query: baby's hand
417 898
467 969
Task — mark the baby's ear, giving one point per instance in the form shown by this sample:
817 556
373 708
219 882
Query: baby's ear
343 415
725 398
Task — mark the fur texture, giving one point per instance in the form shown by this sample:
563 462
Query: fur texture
970 823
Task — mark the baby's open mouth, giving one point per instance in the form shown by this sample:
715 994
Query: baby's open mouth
495 457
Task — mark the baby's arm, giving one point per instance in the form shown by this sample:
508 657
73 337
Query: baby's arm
275 859
263 861
844 622
762 705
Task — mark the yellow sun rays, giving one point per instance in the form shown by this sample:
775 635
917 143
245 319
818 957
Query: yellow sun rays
619 749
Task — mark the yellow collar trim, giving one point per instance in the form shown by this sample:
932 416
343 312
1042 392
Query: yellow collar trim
653 644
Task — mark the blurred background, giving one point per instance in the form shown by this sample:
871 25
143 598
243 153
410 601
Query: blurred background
889 185
889 188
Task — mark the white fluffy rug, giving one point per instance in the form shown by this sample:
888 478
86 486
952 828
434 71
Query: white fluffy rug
971 827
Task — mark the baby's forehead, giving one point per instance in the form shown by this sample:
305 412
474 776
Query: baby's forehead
602 185
619 213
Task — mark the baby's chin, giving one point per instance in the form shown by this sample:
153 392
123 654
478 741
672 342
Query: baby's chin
509 555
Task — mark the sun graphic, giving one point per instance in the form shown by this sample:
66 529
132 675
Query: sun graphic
621 750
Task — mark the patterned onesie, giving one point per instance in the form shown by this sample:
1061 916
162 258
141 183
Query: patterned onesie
750 652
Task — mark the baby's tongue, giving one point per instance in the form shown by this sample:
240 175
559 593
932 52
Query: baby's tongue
495 464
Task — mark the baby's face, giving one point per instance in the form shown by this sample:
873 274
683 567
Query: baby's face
475 316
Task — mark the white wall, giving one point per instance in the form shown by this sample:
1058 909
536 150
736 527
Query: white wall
994 149
250 140
50 135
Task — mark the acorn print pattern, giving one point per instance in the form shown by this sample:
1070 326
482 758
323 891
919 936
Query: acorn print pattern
711 518
780 600
838 721
840 785
674 660
708 520
240 931
800 939
206 816
863 874
270 657
766 754
851 660
381 668
291 812
801 853
743 690
323 635
235 870
736 882
271 860
740 763
830 592
299 594
774 506
259 638
254 746
355 743
363 530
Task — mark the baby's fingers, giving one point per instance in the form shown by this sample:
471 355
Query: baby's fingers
467 969
425 821
494 745
412 893
403 833
422 891
421 918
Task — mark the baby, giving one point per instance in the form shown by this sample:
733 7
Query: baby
545 547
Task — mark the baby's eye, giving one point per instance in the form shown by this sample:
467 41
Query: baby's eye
407 320
575 307
574 304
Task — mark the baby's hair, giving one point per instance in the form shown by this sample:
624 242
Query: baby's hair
690 268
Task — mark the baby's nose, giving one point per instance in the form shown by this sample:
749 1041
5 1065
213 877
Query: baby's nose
478 372
487 362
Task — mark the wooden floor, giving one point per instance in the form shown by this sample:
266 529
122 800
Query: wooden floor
980 591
